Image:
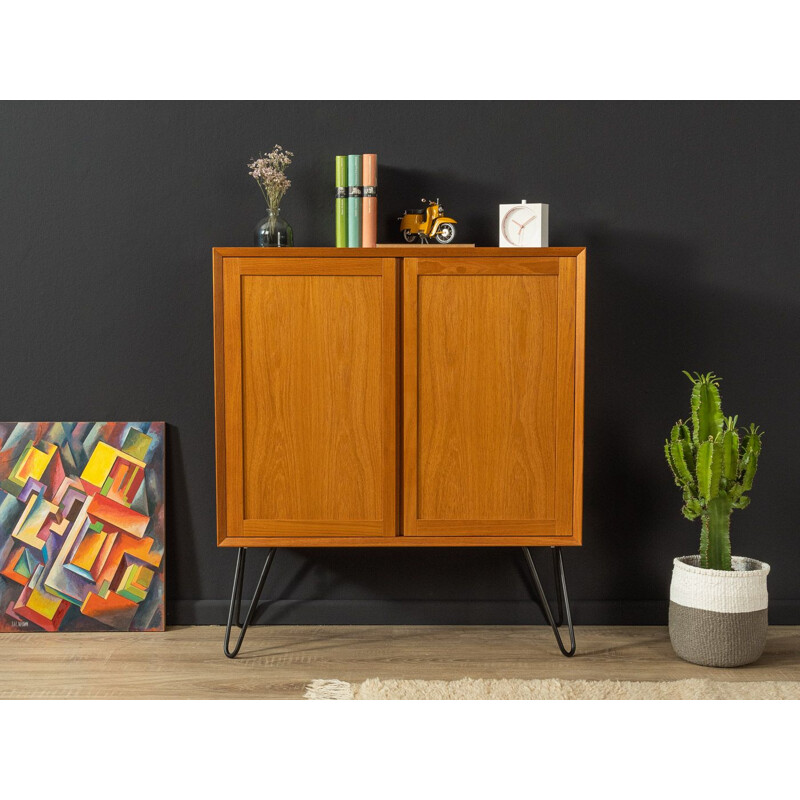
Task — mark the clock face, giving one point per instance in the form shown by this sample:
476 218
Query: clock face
519 225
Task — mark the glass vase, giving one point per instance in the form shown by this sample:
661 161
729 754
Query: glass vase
274 231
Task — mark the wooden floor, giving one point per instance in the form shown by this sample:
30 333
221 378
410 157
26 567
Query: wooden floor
277 662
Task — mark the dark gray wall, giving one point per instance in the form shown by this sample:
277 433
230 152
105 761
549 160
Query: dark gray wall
109 211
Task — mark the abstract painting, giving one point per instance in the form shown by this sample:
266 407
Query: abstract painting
81 526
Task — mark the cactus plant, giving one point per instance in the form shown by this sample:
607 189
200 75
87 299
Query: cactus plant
713 464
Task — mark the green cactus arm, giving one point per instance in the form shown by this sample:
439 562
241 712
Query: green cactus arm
730 454
707 419
671 465
741 502
752 453
675 433
679 463
691 505
688 450
716 468
705 454
704 542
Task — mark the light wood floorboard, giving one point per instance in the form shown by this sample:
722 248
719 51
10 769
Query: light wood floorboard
278 661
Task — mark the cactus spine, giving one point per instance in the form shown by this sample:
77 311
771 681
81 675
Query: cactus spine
714 466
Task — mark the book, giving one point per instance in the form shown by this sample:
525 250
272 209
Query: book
369 203
354 201
341 201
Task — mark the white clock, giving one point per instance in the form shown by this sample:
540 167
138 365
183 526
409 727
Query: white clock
524 225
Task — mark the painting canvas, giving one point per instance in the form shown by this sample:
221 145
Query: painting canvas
81 526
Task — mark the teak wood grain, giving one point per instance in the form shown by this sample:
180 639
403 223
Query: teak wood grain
309 355
488 371
326 359
486 397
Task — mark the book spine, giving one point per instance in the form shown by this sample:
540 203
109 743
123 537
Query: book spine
341 201
354 201
369 215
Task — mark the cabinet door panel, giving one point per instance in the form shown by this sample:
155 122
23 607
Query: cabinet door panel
310 387
489 361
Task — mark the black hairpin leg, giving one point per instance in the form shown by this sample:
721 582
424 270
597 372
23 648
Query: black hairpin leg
236 600
561 593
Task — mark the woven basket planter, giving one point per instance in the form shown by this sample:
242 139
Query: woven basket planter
718 618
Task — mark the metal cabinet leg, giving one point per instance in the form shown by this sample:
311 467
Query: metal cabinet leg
561 594
236 600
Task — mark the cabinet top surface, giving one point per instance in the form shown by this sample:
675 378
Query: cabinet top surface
400 251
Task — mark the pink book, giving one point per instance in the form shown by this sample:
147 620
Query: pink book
369 207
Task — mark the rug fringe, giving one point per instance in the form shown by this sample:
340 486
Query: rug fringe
552 689
323 689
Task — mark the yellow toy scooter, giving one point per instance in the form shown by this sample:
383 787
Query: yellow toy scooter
428 223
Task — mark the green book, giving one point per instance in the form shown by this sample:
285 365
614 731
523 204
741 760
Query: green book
354 201
341 201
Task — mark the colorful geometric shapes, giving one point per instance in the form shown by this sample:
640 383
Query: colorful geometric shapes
31 486
33 520
124 551
81 526
100 463
39 606
43 603
112 610
53 476
118 516
18 567
123 482
32 463
102 557
136 443
10 511
63 582
87 551
135 582
23 568
139 502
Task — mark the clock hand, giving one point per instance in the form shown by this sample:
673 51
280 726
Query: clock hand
529 221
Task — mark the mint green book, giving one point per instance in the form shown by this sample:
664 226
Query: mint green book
354 201
341 201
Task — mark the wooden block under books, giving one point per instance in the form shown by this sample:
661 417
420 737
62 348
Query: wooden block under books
430 246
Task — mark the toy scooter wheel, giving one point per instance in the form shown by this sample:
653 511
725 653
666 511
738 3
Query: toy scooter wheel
408 236
446 233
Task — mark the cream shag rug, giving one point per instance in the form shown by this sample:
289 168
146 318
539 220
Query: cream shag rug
552 689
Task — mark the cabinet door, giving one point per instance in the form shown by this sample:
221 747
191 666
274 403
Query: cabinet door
489 441
307 428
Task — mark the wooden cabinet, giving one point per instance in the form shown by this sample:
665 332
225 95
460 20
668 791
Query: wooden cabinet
399 396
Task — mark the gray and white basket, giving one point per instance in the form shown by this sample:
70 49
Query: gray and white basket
718 618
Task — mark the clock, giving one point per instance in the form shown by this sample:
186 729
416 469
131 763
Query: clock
524 225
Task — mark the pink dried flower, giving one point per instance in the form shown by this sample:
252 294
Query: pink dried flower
268 172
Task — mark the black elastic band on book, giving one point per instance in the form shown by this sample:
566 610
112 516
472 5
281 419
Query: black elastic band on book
370 191
354 191
341 192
